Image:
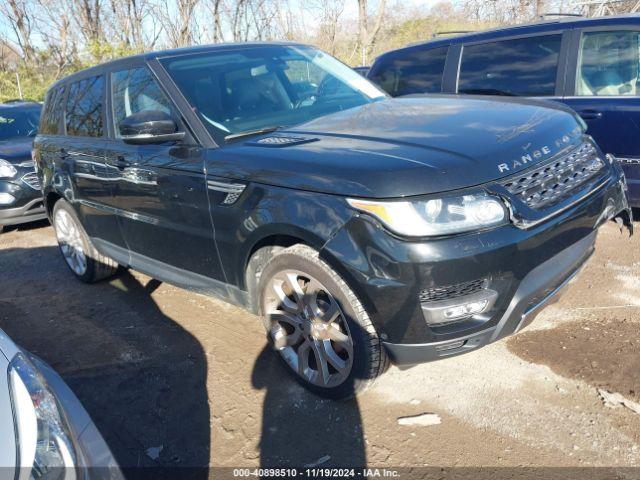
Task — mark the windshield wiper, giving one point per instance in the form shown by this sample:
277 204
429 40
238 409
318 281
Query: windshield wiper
248 133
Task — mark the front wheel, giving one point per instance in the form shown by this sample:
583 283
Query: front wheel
81 256
317 324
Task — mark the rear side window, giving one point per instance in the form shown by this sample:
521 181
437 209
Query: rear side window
417 71
51 120
608 64
522 66
85 105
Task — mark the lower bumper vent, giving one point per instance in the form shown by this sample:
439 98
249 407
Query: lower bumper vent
437 294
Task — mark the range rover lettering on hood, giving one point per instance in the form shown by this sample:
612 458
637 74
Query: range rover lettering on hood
541 153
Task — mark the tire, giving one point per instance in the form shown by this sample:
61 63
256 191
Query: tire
82 258
319 329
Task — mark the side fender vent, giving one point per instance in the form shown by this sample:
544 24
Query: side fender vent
232 190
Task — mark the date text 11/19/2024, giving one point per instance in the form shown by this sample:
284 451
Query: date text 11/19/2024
316 472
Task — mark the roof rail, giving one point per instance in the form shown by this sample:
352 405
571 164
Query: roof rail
544 16
451 32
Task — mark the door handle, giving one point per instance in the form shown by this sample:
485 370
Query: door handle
590 114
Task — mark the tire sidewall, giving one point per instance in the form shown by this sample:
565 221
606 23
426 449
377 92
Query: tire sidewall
360 337
86 245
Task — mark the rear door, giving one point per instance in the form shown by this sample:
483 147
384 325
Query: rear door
528 66
603 86
82 152
161 192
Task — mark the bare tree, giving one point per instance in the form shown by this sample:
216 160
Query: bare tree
19 15
88 16
330 13
127 17
367 37
215 7
179 25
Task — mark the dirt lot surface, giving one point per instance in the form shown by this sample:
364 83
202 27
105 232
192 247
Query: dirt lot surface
189 376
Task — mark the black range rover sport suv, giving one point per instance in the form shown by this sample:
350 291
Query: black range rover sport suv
361 228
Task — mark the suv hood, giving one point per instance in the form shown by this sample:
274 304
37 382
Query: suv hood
16 150
406 146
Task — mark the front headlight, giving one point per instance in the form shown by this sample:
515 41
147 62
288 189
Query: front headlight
7 170
45 449
436 216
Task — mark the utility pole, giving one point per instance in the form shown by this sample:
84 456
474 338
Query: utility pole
19 87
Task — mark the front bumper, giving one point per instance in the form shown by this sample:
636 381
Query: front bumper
27 207
536 290
526 267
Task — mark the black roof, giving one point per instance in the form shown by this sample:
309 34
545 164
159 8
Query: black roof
169 53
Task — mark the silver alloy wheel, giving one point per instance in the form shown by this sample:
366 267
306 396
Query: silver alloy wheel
70 241
308 328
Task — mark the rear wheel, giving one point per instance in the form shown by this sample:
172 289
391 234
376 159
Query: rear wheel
77 250
317 325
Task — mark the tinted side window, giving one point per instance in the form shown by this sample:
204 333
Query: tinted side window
418 71
85 107
135 91
523 66
51 120
608 64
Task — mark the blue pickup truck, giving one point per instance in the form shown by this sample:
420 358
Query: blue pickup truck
590 64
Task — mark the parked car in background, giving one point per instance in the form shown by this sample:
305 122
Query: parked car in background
360 227
20 197
45 433
590 64
362 70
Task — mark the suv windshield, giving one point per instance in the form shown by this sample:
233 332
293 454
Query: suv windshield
254 89
19 123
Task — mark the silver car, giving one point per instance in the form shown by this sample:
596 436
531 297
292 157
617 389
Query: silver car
45 433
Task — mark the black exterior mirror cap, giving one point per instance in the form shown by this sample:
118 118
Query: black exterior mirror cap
149 126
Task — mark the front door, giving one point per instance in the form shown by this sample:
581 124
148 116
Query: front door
604 88
161 193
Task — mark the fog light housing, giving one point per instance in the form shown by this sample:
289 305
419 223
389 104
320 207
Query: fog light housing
471 308
6 198
459 308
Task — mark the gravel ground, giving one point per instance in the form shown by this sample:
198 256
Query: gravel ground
189 377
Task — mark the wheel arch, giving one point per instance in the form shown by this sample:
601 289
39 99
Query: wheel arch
270 242
261 249
50 200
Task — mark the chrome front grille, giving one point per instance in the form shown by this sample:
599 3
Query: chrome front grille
32 180
436 294
546 185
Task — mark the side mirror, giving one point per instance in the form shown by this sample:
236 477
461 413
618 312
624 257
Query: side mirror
149 126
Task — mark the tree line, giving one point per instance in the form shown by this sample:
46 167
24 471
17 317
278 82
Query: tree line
44 40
